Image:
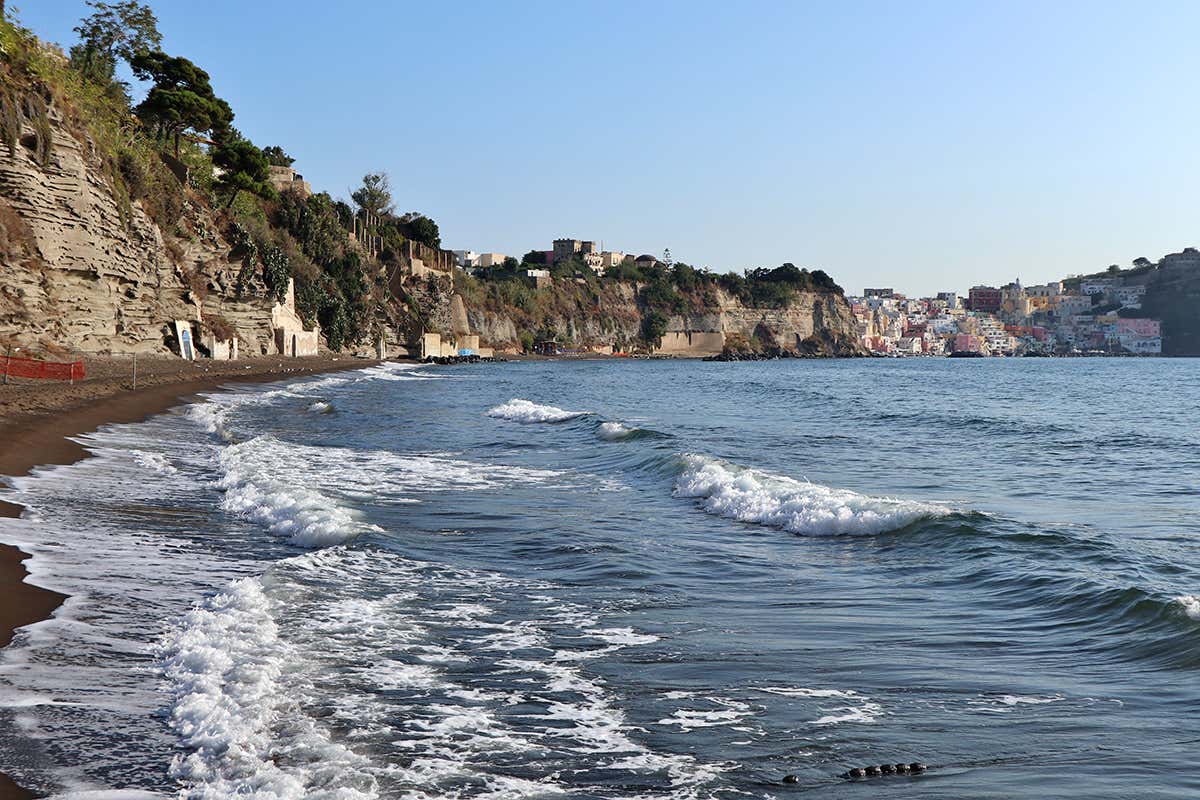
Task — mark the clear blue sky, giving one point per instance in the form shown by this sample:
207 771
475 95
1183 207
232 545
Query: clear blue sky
921 145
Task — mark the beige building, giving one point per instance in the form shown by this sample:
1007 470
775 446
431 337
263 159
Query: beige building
490 260
291 339
286 179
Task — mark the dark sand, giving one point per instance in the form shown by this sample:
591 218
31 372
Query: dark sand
36 417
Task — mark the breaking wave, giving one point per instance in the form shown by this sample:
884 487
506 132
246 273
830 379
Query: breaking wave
620 432
225 664
1190 604
750 495
280 502
518 410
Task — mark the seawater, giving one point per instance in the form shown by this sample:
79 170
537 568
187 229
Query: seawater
625 580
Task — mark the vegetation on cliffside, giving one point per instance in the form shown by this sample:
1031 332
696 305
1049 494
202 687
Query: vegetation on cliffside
630 297
1172 296
178 149
176 154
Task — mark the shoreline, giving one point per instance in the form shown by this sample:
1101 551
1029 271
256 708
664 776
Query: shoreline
37 421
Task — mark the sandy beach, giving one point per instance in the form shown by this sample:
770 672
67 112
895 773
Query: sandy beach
37 419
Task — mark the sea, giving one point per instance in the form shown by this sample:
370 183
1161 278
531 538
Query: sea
625 579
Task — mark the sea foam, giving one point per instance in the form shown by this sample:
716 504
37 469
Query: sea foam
225 666
750 495
614 431
255 489
518 410
1190 604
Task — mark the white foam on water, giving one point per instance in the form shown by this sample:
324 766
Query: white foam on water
225 667
153 461
854 708
866 711
1189 604
321 407
284 505
392 371
518 410
750 495
614 431
1026 700
622 636
727 712
299 491
798 691
1007 703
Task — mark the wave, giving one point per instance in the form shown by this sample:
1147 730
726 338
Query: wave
281 502
213 414
226 666
153 461
1190 604
518 410
614 431
620 432
750 495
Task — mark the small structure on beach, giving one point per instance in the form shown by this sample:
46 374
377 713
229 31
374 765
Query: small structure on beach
433 346
291 338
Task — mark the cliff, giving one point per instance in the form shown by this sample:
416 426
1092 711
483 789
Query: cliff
110 237
601 314
82 273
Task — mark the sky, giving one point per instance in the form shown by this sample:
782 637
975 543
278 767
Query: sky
926 146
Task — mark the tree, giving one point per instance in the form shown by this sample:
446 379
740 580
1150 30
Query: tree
535 257
243 167
654 327
114 30
421 228
1141 262
511 264
181 99
1113 269
277 157
375 195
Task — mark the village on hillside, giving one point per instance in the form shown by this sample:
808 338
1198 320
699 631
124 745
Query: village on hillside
1080 315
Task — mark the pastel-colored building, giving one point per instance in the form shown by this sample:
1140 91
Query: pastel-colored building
968 343
1139 327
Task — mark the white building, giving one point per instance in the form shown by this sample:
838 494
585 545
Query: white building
466 259
1130 296
1097 285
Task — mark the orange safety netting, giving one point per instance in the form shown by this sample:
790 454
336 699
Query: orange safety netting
13 367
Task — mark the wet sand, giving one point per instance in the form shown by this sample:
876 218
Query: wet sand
37 417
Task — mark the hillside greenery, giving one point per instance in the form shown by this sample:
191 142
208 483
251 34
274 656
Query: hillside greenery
177 154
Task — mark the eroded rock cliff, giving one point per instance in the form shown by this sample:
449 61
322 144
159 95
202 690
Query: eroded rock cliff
83 273
811 323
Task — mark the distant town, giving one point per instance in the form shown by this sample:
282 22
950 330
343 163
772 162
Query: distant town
1094 315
